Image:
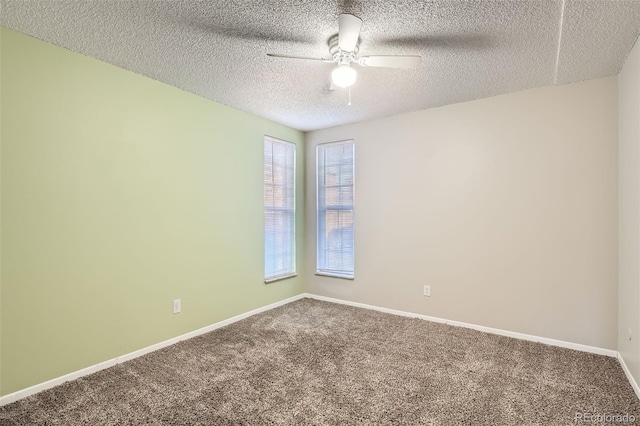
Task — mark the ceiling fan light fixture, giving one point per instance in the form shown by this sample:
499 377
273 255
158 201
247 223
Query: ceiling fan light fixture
344 76
343 48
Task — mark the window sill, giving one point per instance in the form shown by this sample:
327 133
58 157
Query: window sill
329 274
280 277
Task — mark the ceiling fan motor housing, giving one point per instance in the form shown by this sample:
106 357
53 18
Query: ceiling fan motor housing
340 55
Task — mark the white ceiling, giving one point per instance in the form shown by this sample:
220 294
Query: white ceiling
217 49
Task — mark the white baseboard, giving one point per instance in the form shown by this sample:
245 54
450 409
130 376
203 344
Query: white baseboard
23 393
521 336
633 382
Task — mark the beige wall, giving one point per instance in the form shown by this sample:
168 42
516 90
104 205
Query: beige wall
629 212
506 206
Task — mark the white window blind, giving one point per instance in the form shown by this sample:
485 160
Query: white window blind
335 192
279 209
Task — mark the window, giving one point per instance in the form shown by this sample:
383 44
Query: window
279 209
335 189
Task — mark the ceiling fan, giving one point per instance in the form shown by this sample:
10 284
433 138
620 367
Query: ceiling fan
343 48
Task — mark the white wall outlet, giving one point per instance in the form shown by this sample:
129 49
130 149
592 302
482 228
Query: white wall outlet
629 334
427 291
177 306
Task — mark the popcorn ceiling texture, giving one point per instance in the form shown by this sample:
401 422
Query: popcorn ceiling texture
597 37
470 49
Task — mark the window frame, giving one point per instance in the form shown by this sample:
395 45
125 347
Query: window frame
291 210
320 227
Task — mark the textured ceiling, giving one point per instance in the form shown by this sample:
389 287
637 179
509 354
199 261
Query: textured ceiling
217 49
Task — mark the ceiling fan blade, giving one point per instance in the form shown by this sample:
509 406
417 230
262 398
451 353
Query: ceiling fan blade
348 32
275 55
390 61
441 41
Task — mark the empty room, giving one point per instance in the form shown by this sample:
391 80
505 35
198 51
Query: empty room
319 213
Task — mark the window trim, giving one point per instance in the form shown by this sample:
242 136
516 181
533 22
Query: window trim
336 275
328 272
294 253
280 277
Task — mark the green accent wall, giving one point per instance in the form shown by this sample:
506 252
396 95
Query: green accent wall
120 194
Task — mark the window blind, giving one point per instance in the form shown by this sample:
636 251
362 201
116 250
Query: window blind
279 209
335 208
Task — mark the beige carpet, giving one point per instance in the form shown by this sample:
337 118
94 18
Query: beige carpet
318 363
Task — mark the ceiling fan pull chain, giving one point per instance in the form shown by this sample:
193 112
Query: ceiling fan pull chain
349 96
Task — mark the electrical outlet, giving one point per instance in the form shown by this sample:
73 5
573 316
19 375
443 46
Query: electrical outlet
177 306
629 334
427 291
